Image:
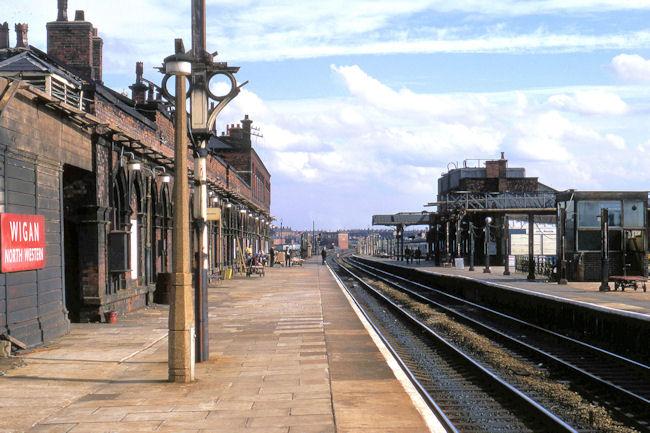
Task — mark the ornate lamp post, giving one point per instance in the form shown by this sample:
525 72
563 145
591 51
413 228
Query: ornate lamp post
181 312
203 118
470 229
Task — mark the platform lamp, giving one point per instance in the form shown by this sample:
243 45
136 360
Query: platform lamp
472 245
488 221
604 263
201 69
181 311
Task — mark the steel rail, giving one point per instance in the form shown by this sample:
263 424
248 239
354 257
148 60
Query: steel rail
584 346
438 412
543 415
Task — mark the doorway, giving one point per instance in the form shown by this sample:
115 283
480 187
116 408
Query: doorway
77 192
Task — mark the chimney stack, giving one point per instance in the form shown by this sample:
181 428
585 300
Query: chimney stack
139 71
246 127
150 93
21 35
139 89
4 36
75 44
98 56
63 10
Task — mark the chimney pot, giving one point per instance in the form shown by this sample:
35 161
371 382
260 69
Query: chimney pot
139 71
80 16
63 10
503 155
150 93
21 35
4 36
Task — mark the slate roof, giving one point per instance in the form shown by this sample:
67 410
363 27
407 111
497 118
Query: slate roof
33 60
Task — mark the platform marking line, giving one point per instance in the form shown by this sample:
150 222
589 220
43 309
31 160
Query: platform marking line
427 414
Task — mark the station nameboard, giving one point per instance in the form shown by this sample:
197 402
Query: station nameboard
22 242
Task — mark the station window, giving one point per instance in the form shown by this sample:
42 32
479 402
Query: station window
589 240
589 213
634 212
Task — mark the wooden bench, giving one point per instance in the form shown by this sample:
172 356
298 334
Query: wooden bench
255 269
631 281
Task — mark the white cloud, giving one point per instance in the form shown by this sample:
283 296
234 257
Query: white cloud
590 102
631 67
386 157
285 29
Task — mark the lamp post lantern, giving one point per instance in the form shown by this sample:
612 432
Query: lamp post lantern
181 311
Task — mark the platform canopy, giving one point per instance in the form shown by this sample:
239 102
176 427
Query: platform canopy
403 219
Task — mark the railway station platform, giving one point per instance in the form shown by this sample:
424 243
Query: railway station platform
288 355
631 301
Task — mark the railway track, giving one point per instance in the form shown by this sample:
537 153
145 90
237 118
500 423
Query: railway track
466 396
619 384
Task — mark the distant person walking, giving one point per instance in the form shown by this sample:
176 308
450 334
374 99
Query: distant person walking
272 256
418 254
323 254
287 258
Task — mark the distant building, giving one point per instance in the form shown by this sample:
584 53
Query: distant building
343 241
627 238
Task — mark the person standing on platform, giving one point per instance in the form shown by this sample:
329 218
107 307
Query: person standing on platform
287 258
323 255
418 254
407 255
272 256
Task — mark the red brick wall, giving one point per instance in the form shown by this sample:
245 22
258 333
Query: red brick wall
71 43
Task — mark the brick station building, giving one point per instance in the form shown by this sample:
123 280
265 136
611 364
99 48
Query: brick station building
98 165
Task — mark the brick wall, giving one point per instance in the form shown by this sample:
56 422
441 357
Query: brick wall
71 43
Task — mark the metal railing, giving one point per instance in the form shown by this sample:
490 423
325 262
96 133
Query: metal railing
507 200
544 265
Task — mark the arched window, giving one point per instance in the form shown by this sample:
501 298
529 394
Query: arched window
119 194
152 231
136 220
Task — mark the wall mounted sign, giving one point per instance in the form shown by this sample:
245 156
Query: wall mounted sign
23 242
214 214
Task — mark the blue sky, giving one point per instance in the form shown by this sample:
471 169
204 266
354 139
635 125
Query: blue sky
363 103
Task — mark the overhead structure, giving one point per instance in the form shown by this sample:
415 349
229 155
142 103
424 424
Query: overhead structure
468 197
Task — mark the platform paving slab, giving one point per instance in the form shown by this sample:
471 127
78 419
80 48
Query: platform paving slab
288 355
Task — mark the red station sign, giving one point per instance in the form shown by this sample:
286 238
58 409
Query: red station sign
23 242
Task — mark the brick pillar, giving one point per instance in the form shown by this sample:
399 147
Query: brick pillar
92 260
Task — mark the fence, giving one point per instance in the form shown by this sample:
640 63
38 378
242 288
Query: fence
544 265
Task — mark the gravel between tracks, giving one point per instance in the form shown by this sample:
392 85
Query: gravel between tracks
527 376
